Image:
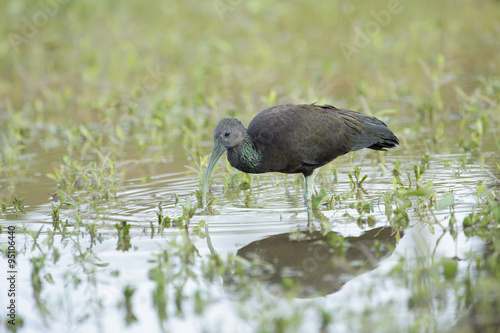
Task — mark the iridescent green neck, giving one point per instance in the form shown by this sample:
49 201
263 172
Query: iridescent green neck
249 154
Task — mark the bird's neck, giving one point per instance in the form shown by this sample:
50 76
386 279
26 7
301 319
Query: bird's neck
246 157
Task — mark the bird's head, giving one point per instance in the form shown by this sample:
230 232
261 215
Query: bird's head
228 133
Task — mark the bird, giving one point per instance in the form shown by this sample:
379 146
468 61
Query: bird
295 139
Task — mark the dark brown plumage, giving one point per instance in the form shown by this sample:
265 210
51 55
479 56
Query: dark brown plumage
296 139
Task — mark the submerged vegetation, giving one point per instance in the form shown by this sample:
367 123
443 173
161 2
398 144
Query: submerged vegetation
106 118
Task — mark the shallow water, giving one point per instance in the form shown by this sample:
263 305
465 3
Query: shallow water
258 218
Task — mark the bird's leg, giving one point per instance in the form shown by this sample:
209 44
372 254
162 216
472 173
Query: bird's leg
310 186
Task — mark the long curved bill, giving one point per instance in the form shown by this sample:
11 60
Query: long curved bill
217 152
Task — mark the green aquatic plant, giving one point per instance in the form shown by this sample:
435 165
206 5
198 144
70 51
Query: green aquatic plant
163 220
396 175
357 180
97 180
188 210
18 205
484 221
123 229
318 199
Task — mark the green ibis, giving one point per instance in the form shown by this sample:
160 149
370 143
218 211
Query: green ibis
295 139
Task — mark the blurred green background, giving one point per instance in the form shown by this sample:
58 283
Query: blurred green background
76 58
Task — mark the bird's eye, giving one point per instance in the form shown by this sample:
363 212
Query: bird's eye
226 133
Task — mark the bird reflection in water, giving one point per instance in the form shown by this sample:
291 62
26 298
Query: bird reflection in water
317 263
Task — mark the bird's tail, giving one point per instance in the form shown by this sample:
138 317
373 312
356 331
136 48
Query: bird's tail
387 139
374 134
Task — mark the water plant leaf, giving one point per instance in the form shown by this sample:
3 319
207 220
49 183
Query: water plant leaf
421 192
446 201
317 201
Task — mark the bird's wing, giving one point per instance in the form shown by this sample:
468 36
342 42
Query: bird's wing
321 134
317 134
